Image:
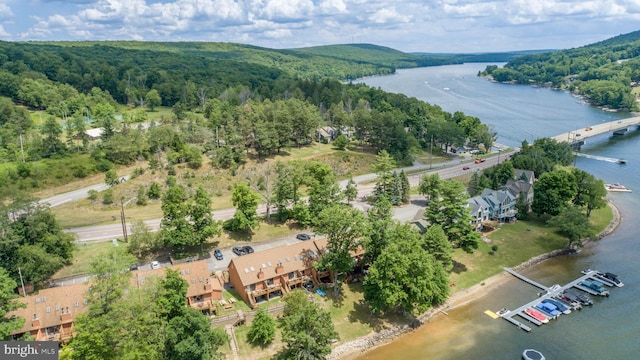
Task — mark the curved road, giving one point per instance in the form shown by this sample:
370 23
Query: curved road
365 187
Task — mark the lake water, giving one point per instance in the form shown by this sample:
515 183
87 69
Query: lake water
608 330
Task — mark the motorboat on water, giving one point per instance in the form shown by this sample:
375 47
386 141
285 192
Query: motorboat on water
560 306
536 315
573 296
574 305
612 278
616 187
595 286
531 354
548 309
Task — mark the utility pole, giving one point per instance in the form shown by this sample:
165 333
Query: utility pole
123 221
431 153
24 293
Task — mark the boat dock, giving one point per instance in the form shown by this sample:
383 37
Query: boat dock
548 292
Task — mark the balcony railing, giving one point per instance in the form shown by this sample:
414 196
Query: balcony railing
268 289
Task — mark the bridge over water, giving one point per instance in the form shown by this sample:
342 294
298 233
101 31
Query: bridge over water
617 127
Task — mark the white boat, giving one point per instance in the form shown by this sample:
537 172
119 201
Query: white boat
616 187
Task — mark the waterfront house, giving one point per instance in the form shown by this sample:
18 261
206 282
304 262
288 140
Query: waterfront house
50 313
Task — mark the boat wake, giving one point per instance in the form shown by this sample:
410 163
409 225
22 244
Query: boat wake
601 158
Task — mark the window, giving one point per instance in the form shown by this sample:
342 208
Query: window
37 300
48 309
44 298
269 282
57 307
76 304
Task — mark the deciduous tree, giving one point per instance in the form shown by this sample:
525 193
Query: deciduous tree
263 329
344 226
246 203
8 303
405 276
573 224
307 329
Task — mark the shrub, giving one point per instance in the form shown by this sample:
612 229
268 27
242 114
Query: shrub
107 197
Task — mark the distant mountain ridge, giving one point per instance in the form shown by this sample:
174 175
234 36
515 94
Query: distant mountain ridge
343 61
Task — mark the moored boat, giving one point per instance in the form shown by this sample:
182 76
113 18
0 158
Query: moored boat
595 286
536 315
613 278
531 354
549 310
574 305
560 306
571 296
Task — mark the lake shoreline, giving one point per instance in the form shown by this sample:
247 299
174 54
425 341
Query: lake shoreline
359 346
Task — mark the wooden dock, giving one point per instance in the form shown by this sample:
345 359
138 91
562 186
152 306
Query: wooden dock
549 292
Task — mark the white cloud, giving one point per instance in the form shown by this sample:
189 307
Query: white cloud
285 10
410 25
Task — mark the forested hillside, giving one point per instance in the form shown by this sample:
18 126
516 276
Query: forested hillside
223 109
603 72
338 61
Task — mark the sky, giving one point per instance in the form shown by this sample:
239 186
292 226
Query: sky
436 26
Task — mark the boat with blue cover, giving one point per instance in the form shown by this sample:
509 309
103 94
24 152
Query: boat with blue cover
548 309
595 286
560 306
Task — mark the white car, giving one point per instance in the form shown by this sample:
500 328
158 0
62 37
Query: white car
155 265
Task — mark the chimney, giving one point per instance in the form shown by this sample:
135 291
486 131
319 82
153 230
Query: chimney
260 274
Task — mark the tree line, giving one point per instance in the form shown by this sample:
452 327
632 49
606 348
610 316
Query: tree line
602 72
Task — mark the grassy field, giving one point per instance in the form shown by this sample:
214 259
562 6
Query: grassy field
219 183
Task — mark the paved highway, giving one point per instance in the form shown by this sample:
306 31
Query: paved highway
365 188
579 135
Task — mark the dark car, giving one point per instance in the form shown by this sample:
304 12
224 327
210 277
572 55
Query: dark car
303 237
218 254
248 249
466 168
134 267
239 250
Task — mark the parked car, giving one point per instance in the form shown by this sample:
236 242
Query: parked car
134 267
248 249
239 250
466 168
303 237
218 254
155 265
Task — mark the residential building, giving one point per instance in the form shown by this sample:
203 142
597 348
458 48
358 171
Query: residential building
479 212
277 271
497 205
502 204
50 313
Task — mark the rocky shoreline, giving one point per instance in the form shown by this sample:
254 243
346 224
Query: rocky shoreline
368 342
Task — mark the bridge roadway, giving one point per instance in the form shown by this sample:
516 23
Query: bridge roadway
578 136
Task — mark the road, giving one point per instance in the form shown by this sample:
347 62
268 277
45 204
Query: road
581 134
365 188
75 195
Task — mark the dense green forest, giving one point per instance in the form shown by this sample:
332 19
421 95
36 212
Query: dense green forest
603 72
221 109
